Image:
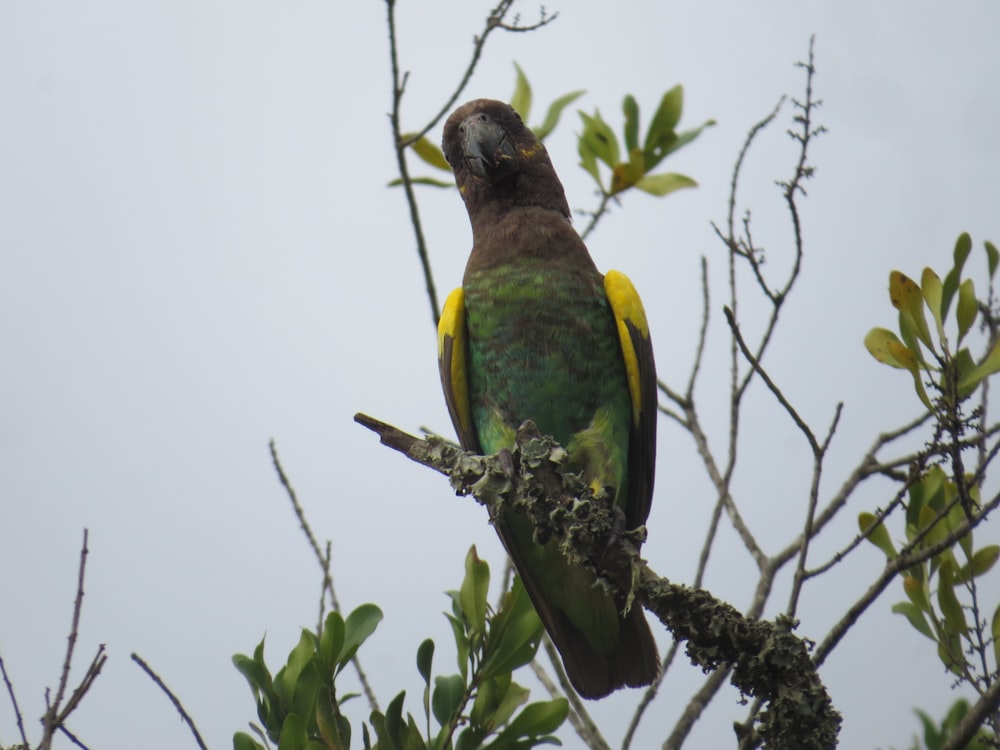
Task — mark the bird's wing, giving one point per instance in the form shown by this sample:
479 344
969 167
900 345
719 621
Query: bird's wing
637 351
453 364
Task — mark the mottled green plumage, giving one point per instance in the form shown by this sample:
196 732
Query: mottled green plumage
534 335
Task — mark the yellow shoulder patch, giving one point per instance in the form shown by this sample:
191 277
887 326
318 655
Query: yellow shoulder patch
451 359
628 311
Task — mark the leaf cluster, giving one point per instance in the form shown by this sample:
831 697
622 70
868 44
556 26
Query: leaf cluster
936 587
926 354
599 144
480 706
298 706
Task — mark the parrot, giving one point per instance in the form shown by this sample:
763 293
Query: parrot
537 333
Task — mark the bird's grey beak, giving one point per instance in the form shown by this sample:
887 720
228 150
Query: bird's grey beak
488 151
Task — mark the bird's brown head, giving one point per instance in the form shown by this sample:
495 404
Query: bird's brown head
498 162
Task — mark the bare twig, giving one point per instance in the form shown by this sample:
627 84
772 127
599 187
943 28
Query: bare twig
56 714
72 738
597 214
324 564
13 701
185 716
586 728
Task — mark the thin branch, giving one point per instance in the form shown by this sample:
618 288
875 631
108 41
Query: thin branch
696 705
808 532
398 86
324 564
53 715
649 694
595 216
775 391
173 699
13 701
72 738
584 725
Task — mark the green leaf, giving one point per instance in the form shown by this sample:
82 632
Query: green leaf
423 181
912 613
293 734
982 562
448 694
288 676
600 138
520 100
425 655
916 591
555 112
588 160
983 370
333 727
662 128
930 284
992 257
886 347
663 183
967 308
876 533
428 151
995 632
932 739
496 702
954 616
630 108
963 245
475 588
462 645
964 365
685 137
627 174
908 332
537 719
950 652
394 723
254 671
515 634
907 297
360 624
331 640
243 741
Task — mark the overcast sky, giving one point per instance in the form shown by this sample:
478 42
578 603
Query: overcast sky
200 253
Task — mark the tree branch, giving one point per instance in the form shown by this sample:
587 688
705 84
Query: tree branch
185 717
766 658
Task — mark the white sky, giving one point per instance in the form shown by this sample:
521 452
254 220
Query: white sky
199 252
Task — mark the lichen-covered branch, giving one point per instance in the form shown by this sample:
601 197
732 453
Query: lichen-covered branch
766 658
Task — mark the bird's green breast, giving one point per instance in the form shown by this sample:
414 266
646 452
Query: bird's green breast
543 346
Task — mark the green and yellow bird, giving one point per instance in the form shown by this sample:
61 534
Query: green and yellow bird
537 332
